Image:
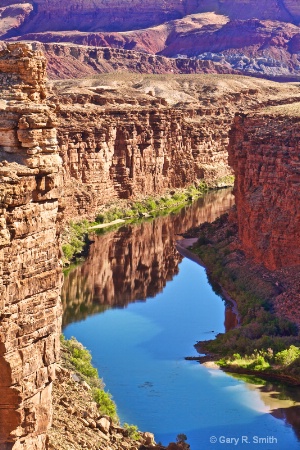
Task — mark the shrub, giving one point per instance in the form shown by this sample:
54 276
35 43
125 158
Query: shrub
78 358
132 431
105 403
288 356
181 437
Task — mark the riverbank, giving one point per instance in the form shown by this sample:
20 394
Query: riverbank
75 236
266 301
95 420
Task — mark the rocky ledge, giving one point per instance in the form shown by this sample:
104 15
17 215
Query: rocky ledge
78 425
74 409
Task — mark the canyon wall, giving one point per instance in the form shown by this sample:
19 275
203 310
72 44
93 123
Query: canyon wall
129 136
65 154
133 153
87 15
264 152
78 61
30 273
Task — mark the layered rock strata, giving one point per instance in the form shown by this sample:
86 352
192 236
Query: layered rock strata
87 15
264 152
30 274
200 43
129 136
78 61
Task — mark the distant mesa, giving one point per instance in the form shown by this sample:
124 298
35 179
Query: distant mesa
255 38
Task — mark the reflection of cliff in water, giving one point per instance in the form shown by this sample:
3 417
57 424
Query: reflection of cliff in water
134 262
280 400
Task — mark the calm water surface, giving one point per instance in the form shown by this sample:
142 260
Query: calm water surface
139 307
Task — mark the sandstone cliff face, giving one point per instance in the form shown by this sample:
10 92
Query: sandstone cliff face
30 275
136 153
264 152
131 136
76 61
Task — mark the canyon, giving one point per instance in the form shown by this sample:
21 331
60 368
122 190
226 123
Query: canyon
132 136
225 36
137 262
69 147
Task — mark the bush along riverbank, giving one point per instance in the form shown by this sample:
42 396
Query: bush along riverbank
266 341
75 237
84 414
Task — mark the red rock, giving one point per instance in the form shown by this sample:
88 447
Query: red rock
87 15
264 152
29 250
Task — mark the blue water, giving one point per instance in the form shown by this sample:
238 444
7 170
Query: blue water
139 351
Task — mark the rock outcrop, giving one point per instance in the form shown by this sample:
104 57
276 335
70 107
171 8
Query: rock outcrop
264 152
198 43
30 273
77 61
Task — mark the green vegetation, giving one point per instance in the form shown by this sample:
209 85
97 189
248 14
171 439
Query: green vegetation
260 331
75 237
133 432
152 205
228 180
78 359
285 362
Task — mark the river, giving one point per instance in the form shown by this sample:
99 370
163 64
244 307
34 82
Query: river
139 306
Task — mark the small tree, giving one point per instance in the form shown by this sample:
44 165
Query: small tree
181 438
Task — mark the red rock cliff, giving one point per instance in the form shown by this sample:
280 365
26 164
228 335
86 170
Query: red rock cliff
129 136
264 152
30 274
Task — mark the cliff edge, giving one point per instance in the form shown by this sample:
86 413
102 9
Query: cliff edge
30 281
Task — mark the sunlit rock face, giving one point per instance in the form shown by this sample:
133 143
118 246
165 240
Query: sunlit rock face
30 274
87 15
129 136
264 152
224 36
